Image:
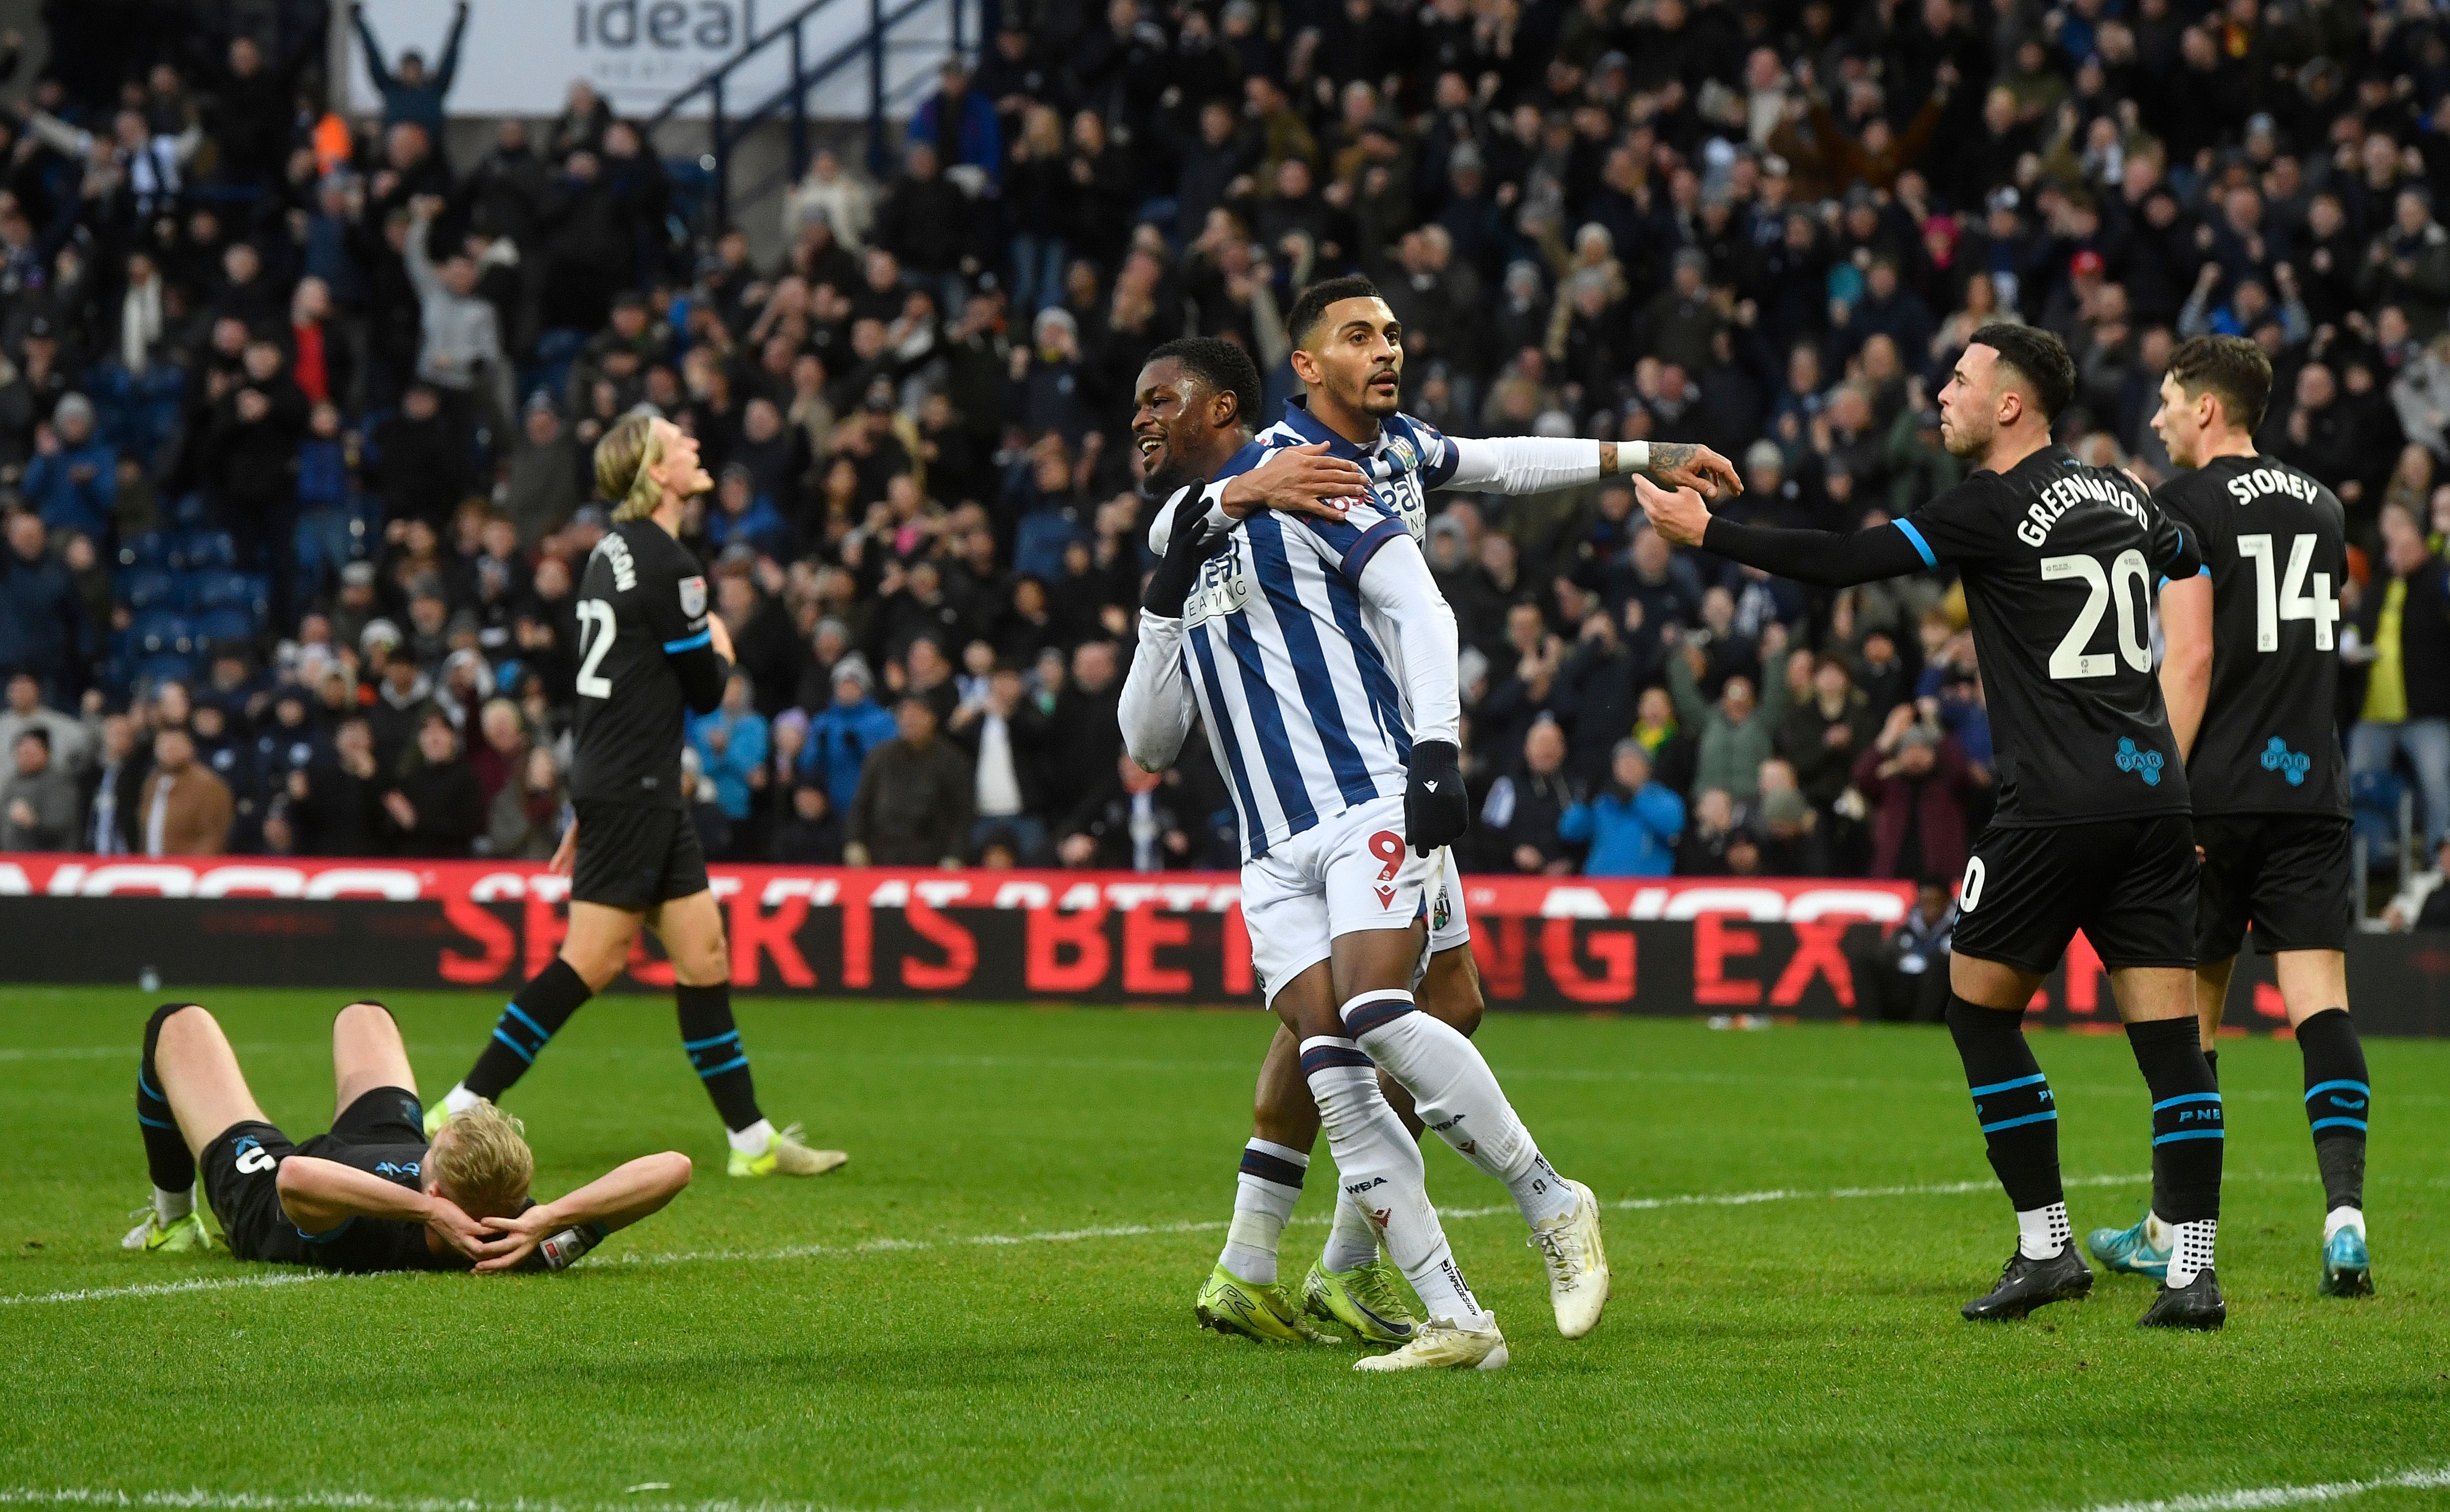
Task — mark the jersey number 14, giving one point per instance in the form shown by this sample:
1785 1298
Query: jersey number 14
2291 601
597 613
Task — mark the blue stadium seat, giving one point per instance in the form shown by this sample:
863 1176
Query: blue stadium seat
146 588
191 511
217 588
150 551
161 631
223 626
198 549
2375 800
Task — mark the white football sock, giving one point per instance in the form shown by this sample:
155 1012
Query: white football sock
1457 1096
2158 1232
2340 1219
458 1100
2193 1252
1378 1165
1352 1242
169 1207
1262 1207
2042 1232
753 1139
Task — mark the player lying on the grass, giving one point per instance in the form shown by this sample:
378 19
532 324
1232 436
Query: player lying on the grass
1349 356
648 650
374 1194
2252 677
2091 829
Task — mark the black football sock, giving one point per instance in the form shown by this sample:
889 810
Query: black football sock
166 1154
2336 1095
2019 1118
2189 1133
713 1045
530 1018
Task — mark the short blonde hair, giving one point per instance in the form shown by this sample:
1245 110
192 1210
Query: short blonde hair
623 463
481 1160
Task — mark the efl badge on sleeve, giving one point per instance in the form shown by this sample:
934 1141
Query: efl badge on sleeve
692 597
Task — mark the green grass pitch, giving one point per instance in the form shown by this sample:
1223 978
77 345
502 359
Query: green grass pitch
991 1307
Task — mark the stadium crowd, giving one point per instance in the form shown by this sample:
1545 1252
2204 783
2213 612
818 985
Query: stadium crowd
294 412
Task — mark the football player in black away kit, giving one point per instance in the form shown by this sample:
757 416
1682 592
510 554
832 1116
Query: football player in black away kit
374 1194
648 654
2091 831
2252 677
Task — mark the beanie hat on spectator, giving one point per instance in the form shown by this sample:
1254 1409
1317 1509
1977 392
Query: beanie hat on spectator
853 669
77 407
377 629
1761 453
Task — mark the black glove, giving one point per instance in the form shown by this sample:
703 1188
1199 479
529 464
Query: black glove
1185 550
1436 812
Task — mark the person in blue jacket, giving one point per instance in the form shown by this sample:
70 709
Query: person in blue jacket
841 735
1632 824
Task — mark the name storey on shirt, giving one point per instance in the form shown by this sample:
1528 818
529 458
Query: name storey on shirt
2067 494
625 566
2247 487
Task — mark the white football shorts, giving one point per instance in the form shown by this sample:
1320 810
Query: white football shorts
1349 873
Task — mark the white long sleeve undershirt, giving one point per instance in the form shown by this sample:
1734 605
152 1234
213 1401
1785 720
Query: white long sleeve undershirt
1156 703
1397 585
1523 464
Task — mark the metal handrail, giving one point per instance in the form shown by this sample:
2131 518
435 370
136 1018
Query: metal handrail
726 129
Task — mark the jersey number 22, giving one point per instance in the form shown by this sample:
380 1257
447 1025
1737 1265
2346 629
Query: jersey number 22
597 613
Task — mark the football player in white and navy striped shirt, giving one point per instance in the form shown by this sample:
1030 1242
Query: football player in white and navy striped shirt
1296 646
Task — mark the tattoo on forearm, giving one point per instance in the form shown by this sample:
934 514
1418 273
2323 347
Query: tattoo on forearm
1669 456
1608 459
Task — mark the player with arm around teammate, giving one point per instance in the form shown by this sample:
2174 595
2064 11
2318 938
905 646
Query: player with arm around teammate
375 1193
1350 354
2252 677
2093 828
648 654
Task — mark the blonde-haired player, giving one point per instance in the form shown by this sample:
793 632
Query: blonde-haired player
648 654
374 1194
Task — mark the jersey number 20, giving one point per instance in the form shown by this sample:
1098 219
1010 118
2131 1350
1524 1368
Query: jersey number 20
2070 659
595 612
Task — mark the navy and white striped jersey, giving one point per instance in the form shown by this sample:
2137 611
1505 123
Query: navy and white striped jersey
1296 666
1410 459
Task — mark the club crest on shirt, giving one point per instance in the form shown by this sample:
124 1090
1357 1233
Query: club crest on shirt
692 597
1401 450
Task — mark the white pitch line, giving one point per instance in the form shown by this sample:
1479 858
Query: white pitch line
2269 1496
199 1500
1122 1230
163 1289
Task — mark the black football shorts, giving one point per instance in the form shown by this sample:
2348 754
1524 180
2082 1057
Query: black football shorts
241 1170
2285 873
633 857
2129 884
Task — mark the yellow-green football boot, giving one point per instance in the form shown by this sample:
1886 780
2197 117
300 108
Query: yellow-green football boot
1370 1300
1231 1305
187 1235
786 1154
